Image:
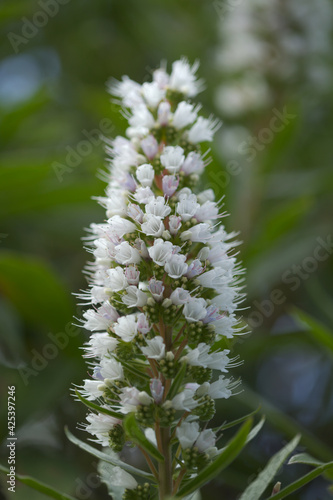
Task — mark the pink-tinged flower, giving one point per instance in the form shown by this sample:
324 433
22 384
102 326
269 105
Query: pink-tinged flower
163 113
156 288
193 164
135 212
170 184
174 224
157 390
143 323
194 269
149 146
132 275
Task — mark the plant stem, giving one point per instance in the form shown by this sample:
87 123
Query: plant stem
165 468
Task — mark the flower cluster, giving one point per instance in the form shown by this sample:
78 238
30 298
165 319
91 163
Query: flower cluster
164 283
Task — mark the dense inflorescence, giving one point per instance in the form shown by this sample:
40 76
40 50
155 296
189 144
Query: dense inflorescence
164 284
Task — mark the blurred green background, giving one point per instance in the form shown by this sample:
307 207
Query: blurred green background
260 60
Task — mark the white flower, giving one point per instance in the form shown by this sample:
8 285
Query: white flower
194 269
149 146
158 207
128 90
161 252
199 232
155 348
120 478
187 206
208 211
200 356
92 389
111 369
187 434
152 225
203 130
206 195
134 297
176 266
183 78
116 279
205 440
120 226
185 114
217 390
126 254
143 195
141 117
172 158
193 163
180 296
195 310
129 399
145 174
99 345
163 113
184 400
101 319
161 77
100 425
152 93
126 327
215 278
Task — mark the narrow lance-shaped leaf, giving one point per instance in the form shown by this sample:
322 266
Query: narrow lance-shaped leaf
39 486
296 485
258 486
228 454
100 409
103 456
137 436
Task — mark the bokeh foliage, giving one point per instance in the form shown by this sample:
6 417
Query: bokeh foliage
52 89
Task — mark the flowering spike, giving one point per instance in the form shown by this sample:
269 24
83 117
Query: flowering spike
164 286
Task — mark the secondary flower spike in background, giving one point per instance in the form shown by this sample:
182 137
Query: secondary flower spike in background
164 286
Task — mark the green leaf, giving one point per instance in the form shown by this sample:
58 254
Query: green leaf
256 429
103 456
100 409
134 370
137 436
304 458
177 382
321 334
258 486
296 485
228 455
39 486
233 423
35 290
